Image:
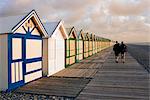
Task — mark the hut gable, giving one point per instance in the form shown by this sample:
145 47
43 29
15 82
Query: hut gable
94 37
80 34
27 23
71 33
86 36
91 36
53 27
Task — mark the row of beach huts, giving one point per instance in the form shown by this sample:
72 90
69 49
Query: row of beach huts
30 49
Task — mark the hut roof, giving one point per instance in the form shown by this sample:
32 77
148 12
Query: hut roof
51 27
7 23
80 33
86 36
68 30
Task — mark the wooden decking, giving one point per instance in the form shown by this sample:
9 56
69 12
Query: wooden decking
118 81
68 82
87 68
93 78
66 87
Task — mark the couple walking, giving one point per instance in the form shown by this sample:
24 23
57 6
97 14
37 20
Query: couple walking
120 48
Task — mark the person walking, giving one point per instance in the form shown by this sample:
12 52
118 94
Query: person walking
123 50
116 49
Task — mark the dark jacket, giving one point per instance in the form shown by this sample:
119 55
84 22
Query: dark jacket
116 48
123 48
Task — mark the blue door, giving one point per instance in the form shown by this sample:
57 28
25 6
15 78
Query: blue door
25 59
15 61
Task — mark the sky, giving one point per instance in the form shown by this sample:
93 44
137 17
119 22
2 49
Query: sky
122 20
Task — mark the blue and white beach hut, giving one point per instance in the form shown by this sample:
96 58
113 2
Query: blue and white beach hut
21 42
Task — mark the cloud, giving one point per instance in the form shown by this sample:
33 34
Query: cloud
126 8
110 18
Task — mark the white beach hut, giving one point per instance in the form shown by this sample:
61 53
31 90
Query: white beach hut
21 41
90 44
54 54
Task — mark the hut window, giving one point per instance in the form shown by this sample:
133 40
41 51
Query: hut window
72 47
67 41
17 48
34 50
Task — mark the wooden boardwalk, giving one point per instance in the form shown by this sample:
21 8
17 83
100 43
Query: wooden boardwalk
87 68
118 81
97 77
65 87
69 82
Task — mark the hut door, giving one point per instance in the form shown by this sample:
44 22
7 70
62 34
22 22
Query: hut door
26 60
16 65
33 59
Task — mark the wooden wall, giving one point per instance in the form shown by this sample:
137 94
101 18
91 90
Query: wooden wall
3 62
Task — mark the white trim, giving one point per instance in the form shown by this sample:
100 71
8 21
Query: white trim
57 28
71 31
32 14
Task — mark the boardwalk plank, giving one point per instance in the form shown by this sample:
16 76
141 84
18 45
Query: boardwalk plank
69 87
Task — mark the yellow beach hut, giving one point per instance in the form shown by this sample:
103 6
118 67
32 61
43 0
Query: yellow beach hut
80 46
98 44
90 44
86 45
94 43
70 44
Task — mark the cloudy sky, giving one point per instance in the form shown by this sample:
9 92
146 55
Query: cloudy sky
122 20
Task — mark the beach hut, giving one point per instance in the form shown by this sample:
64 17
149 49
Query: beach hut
90 44
54 54
79 43
94 43
86 45
21 42
98 44
108 42
104 43
70 48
